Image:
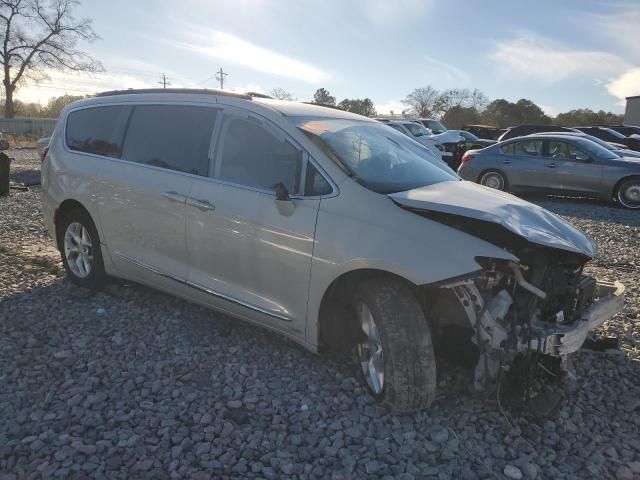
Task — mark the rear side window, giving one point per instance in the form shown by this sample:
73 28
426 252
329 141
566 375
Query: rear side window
176 137
255 155
97 130
531 148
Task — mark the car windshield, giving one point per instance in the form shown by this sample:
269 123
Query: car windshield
376 156
595 150
435 126
416 129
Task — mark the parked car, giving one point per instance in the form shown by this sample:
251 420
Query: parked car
627 130
522 130
618 148
563 164
421 135
610 135
450 139
473 142
484 131
323 225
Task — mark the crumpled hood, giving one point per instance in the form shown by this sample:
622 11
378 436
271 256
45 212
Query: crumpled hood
531 222
450 136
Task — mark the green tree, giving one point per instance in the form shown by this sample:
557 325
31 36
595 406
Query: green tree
503 113
37 36
360 106
585 116
458 116
56 104
323 97
281 94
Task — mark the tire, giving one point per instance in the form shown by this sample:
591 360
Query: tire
628 193
78 238
493 177
406 354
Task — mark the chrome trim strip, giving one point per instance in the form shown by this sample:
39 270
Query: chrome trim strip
197 286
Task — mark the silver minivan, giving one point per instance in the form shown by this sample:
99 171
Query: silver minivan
329 227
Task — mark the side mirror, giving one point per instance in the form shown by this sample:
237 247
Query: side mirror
282 193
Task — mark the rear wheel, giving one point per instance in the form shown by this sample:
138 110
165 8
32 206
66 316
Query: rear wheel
628 194
80 249
494 179
395 350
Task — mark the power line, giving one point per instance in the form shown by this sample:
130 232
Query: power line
220 77
165 81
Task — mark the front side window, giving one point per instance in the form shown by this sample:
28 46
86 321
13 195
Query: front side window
531 148
255 154
564 150
97 130
377 157
435 126
176 137
417 129
508 149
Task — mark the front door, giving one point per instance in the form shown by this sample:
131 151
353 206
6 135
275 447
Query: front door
570 170
249 252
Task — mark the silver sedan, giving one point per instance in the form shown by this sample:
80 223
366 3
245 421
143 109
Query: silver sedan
556 164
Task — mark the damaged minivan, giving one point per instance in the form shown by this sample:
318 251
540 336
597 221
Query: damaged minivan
331 228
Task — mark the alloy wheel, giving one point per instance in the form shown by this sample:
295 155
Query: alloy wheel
78 250
493 180
370 353
629 195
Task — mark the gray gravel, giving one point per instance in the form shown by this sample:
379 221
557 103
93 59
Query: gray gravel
131 383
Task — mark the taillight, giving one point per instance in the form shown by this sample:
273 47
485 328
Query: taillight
466 157
43 152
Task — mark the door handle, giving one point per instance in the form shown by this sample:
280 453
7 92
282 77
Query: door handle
507 162
200 204
173 196
551 165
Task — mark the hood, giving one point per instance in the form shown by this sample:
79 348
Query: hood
450 136
529 221
629 155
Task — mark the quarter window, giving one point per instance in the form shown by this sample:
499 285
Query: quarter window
97 130
315 183
256 155
176 137
508 149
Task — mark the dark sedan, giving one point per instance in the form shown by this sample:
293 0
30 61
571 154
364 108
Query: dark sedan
521 130
610 135
555 164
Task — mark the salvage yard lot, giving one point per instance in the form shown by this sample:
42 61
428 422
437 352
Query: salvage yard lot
132 383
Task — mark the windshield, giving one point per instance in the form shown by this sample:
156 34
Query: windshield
416 129
378 157
595 150
435 126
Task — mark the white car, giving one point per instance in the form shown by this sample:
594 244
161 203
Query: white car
326 226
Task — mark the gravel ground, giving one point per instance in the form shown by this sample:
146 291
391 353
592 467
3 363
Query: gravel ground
131 383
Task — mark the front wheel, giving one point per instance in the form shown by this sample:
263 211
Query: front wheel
395 351
628 194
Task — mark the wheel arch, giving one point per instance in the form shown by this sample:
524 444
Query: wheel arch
65 207
336 329
614 193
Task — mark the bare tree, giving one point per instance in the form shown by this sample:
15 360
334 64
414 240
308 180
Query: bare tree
422 100
281 94
37 37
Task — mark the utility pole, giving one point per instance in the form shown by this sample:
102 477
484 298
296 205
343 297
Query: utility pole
220 77
165 81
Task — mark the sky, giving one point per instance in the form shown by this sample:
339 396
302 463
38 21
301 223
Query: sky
561 55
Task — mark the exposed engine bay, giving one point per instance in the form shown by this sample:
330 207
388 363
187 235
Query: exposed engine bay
525 318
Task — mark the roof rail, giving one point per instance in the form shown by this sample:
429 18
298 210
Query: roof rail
335 107
205 91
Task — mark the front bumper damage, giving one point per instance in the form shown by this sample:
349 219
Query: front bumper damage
501 337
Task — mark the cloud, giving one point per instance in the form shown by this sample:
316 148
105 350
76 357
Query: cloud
536 58
61 83
621 26
232 49
625 85
446 73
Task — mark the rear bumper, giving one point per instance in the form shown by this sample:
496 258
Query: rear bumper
560 340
